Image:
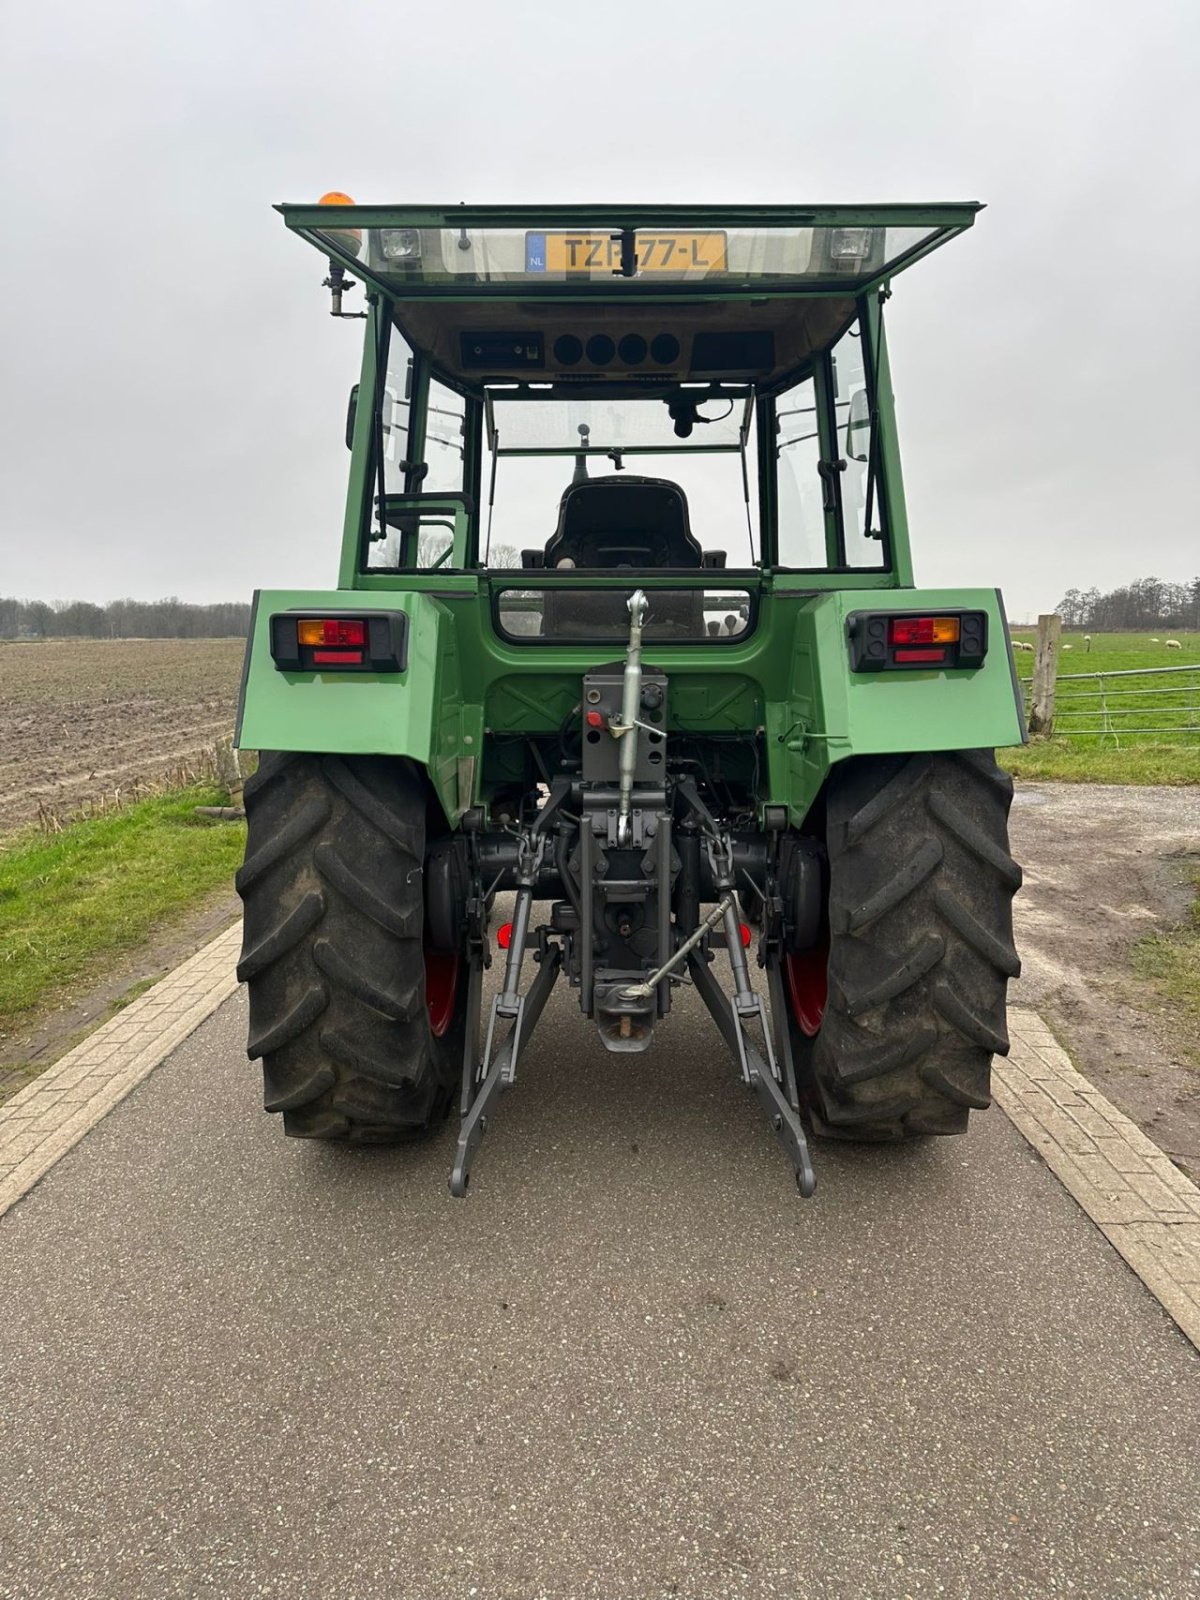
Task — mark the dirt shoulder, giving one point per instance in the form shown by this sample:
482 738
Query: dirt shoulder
1104 867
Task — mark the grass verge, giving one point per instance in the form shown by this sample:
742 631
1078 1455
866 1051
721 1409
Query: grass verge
1082 761
1171 961
70 900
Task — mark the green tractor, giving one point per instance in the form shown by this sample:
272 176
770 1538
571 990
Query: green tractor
626 629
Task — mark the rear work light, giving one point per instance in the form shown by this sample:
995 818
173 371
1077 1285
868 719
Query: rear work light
340 641
884 641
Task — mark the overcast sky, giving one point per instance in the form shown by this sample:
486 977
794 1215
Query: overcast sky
172 391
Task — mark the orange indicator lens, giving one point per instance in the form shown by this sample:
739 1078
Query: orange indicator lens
923 630
337 631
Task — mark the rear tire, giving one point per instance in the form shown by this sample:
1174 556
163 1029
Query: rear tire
334 951
920 946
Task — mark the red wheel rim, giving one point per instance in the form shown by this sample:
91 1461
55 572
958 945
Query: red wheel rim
808 987
441 986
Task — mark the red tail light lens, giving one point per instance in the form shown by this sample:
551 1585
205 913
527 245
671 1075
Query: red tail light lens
923 630
362 641
337 658
504 935
338 632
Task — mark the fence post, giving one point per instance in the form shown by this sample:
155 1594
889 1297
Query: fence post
1045 670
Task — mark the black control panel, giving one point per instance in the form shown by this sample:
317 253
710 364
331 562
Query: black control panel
502 352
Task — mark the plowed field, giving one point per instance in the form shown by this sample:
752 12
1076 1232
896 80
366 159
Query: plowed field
85 720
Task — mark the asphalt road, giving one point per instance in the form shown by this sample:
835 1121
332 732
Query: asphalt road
633 1364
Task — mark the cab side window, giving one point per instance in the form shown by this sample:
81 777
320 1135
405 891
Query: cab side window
859 481
445 427
799 499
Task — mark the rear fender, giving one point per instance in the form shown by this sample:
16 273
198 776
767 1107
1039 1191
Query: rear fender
833 712
418 712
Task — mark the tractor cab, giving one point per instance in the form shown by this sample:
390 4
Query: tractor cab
611 389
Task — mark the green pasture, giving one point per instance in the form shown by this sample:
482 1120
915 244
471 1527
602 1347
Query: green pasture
1119 730
1112 652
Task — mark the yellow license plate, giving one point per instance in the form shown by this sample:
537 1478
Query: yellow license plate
600 253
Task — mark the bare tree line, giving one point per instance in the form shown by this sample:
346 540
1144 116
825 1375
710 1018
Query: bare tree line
122 619
1149 603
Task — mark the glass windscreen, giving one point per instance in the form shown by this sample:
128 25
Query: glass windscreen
690 419
620 483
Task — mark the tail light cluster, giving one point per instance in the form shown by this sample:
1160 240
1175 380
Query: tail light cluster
883 641
340 641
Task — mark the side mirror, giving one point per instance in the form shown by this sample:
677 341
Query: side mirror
858 427
351 413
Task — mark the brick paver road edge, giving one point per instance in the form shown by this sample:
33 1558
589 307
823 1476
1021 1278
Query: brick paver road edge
45 1119
1135 1194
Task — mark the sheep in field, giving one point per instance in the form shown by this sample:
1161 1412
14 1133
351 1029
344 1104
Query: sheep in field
1068 647
1156 641
1174 644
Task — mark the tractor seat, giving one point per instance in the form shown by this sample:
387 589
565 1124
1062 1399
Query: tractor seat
623 521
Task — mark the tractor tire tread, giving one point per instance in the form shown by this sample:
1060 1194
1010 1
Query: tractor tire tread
395 1005
921 946
284 1026
406 835
307 819
284 936
272 766
333 951
337 871
853 918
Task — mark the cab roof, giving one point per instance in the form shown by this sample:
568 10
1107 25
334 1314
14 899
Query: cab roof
599 293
